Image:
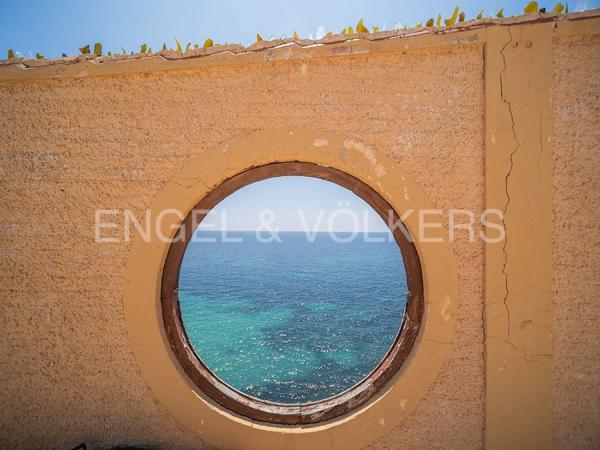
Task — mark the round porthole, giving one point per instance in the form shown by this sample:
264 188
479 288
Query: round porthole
217 312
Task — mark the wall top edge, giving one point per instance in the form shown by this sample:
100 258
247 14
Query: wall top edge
466 33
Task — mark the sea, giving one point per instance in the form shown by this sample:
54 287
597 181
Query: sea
295 320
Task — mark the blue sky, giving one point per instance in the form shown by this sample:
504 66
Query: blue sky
53 27
325 206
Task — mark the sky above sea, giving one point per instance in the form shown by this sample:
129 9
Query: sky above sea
293 203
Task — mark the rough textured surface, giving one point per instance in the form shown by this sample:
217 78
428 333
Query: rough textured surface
576 224
71 147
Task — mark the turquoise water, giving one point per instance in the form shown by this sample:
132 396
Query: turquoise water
292 321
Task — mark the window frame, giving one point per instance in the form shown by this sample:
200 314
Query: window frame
271 412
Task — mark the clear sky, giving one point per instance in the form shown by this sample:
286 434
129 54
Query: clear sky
52 27
296 204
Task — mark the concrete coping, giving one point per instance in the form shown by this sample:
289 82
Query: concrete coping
21 69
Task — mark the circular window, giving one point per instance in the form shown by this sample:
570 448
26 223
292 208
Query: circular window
291 326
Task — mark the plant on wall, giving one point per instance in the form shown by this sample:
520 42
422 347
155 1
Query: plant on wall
457 16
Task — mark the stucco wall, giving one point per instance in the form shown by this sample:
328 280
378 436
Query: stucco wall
71 146
576 236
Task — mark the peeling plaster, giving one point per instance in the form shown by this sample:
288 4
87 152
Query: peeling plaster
446 304
319 142
368 152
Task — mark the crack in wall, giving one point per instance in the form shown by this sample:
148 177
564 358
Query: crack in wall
531 357
541 144
506 180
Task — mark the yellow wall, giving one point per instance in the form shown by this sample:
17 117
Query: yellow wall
509 354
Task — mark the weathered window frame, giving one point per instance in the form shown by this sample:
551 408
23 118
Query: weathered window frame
277 413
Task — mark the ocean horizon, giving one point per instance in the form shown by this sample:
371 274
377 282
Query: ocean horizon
214 232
